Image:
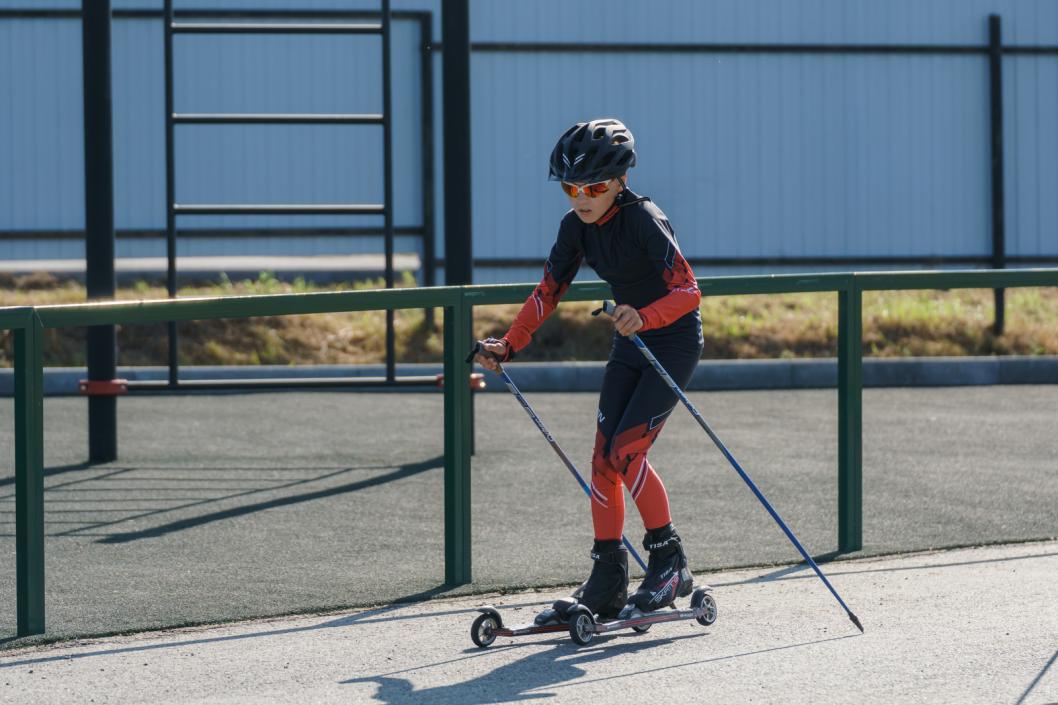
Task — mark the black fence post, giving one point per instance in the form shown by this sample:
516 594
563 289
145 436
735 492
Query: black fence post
99 222
455 75
429 231
995 73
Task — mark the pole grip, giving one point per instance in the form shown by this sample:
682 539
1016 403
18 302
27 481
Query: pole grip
474 351
607 307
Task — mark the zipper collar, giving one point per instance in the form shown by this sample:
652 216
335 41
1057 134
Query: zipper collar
624 199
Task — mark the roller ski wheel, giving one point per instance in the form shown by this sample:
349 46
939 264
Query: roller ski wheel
704 607
581 627
483 630
641 628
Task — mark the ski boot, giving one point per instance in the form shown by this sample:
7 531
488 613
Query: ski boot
667 577
604 592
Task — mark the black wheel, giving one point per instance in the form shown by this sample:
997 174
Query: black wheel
581 628
483 630
641 628
703 601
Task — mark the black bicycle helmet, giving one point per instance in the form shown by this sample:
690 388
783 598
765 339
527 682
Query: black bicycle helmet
593 151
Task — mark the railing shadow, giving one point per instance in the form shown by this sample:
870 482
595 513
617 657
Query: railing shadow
48 472
367 616
401 473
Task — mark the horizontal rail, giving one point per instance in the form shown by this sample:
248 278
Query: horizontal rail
280 209
279 383
15 317
721 48
278 118
360 231
206 308
490 294
159 311
971 279
273 28
209 13
774 284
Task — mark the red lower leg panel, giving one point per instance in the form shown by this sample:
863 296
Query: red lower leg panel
607 498
650 496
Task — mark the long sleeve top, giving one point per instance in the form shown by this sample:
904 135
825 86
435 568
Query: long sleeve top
633 248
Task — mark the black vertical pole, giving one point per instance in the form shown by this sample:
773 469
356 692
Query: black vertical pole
170 193
455 29
429 231
995 72
99 222
455 77
387 152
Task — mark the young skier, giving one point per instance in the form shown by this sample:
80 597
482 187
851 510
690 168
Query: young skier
629 243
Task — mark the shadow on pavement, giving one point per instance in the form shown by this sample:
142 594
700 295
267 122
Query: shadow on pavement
403 472
787 572
514 681
48 472
1036 681
344 621
546 671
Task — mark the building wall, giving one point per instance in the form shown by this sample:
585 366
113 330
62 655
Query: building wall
750 154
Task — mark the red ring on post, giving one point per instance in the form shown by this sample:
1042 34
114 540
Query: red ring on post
103 387
477 381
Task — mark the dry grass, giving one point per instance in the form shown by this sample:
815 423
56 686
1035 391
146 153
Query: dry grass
794 325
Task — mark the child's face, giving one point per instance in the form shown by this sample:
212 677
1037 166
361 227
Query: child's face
590 209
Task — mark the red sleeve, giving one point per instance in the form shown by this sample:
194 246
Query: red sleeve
683 295
559 270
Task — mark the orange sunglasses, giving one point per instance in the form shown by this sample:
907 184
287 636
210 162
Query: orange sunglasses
590 190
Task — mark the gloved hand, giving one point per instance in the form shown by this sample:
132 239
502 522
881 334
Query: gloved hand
489 353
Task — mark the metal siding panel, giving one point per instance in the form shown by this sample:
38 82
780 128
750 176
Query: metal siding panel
41 143
139 125
1046 240
858 125
875 154
1031 88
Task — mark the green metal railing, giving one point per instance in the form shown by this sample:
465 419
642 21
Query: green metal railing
28 324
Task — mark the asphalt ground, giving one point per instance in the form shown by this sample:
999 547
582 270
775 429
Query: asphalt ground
968 626
225 507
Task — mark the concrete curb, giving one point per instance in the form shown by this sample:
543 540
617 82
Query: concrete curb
587 376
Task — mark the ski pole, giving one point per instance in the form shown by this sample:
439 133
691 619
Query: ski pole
608 308
550 439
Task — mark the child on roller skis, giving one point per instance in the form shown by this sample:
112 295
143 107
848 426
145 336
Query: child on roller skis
629 243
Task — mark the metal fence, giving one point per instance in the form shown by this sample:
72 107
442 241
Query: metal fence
28 324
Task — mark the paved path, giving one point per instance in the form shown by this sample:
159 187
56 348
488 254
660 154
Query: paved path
963 626
239 506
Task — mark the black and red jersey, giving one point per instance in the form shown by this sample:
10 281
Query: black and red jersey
633 248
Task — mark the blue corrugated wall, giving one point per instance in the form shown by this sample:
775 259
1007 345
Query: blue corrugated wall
751 155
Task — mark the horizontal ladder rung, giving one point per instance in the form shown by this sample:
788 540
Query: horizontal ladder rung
278 119
279 209
272 28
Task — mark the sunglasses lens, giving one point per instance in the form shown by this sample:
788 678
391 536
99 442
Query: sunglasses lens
598 189
590 190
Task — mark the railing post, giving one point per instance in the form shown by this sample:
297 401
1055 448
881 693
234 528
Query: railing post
29 476
457 444
850 417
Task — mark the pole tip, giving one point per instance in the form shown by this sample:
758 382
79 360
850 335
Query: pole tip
856 621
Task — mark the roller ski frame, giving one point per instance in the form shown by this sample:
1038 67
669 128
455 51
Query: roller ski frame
582 625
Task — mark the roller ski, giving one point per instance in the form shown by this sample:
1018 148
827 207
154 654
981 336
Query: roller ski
600 605
582 625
